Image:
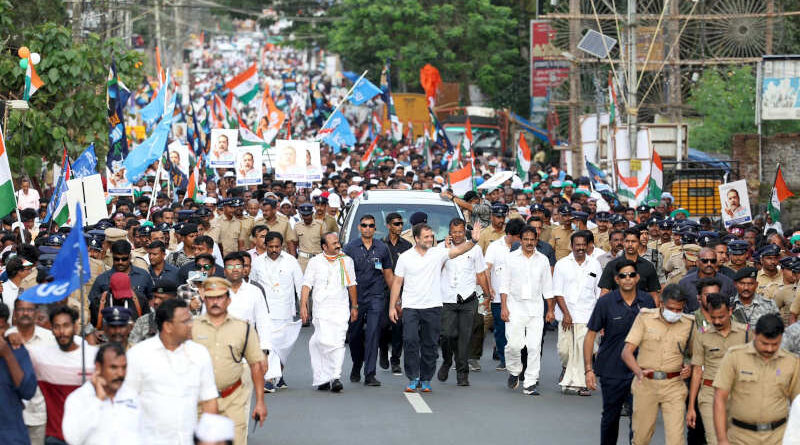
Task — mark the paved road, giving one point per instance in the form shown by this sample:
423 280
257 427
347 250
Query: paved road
485 413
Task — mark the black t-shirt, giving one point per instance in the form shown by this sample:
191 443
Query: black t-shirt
648 278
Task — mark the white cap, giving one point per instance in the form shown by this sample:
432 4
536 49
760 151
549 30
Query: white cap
315 193
353 188
667 195
357 179
229 174
214 428
438 180
284 202
334 201
210 200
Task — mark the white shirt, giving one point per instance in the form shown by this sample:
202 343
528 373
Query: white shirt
248 304
597 253
217 254
792 434
10 294
281 279
422 289
326 278
29 200
35 412
169 385
459 274
495 256
91 421
577 283
526 281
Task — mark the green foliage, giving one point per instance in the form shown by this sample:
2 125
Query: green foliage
469 41
70 109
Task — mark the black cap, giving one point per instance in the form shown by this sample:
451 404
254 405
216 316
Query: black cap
202 212
580 215
305 208
184 215
688 237
499 209
144 230
187 229
653 221
618 219
163 227
165 286
116 315
103 224
643 209
705 237
745 272
417 218
738 247
536 207
94 243
565 210
603 216
55 240
769 250
786 262
320 200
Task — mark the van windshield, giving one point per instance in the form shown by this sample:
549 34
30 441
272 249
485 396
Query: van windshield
439 217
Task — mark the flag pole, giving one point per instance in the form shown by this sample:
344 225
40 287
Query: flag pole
355 84
153 194
83 322
774 180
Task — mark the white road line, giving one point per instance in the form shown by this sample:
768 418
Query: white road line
418 403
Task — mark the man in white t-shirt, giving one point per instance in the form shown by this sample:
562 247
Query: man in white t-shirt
421 303
27 198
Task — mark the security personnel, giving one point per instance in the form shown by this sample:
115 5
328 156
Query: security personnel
601 232
229 341
276 222
786 293
321 214
561 233
738 252
769 277
141 239
112 234
683 261
710 345
654 232
754 386
663 337
309 234
248 222
230 227
498 226
117 325
748 305
546 232
145 326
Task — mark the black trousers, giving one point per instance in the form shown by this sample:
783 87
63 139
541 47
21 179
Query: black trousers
615 392
364 333
457 321
421 330
391 335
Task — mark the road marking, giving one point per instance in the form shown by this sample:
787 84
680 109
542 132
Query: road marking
418 403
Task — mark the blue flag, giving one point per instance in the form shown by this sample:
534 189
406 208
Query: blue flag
61 187
70 268
340 133
364 89
150 149
86 164
116 97
442 140
155 109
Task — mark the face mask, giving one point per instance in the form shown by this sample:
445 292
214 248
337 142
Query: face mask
574 226
670 316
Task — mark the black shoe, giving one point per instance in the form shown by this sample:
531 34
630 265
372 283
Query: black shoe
337 386
397 370
355 375
626 410
444 371
462 380
531 390
495 355
324 387
561 376
370 380
513 381
384 358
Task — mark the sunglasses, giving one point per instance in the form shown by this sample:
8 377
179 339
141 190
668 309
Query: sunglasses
622 276
371 226
708 260
121 258
204 266
397 223
232 266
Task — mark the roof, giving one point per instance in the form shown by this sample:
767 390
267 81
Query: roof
402 197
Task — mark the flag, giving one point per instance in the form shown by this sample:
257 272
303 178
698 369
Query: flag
222 115
368 155
191 189
86 164
8 202
595 173
155 109
440 139
116 97
151 149
779 193
523 157
629 187
32 81
430 80
244 85
363 91
656 182
461 180
57 190
427 142
612 102
386 88
270 118
193 132
337 132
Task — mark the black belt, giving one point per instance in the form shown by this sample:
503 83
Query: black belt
769 426
460 300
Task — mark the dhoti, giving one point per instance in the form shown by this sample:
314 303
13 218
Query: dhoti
570 351
326 345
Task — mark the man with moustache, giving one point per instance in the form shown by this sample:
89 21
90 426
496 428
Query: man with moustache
749 306
117 325
17 384
103 410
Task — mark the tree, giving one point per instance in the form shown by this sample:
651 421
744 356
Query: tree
69 110
468 40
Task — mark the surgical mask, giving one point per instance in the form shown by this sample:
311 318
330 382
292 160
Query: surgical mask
574 226
670 316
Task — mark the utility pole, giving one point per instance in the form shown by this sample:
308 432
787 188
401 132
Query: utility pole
575 89
157 16
632 108
176 44
674 98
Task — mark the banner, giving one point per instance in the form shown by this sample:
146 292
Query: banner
547 72
222 153
248 165
81 193
735 203
780 89
298 161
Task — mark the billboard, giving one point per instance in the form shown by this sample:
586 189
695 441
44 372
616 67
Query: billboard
780 89
549 69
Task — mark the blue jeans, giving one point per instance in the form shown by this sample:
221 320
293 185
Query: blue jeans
499 333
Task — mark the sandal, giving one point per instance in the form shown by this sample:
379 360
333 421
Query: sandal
584 392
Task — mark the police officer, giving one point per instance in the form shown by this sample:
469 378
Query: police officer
145 326
321 214
141 239
663 338
230 227
561 233
373 267
749 306
710 345
276 222
117 325
309 234
754 386
769 277
498 227
738 251
229 341
786 293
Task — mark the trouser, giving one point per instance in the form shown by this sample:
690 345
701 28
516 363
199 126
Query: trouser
697 435
421 329
50 440
705 410
741 436
524 331
36 434
391 334
457 319
615 392
651 395
476 337
499 333
236 407
364 333
570 351
326 345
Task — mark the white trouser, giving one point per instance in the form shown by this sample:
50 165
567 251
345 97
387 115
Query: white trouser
570 351
326 345
522 331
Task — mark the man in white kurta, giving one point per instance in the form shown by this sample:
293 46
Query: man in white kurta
331 276
575 288
525 283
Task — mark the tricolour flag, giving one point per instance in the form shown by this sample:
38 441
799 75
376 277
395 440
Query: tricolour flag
656 183
386 86
629 187
8 201
244 85
32 81
270 118
369 154
779 193
461 180
191 190
61 211
523 157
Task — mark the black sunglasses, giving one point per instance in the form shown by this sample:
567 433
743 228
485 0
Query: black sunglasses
622 276
121 258
708 260
371 226
397 223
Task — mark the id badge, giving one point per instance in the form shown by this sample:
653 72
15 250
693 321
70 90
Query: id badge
378 264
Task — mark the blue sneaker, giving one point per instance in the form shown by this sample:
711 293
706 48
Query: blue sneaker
412 385
281 384
426 386
269 387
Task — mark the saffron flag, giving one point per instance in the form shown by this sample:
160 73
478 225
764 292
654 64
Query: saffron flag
244 85
779 193
32 81
430 80
270 118
461 180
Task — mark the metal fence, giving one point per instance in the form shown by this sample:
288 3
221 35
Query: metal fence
695 184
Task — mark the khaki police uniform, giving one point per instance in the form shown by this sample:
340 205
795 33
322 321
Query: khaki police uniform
759 393
229 233
784 298
662 348
488 236
282 226
328 223
309 238
767 285
561 242
139 258
708 348
601 239
248 222
228 344
546 235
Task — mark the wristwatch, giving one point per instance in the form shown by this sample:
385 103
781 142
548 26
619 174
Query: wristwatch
355 306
